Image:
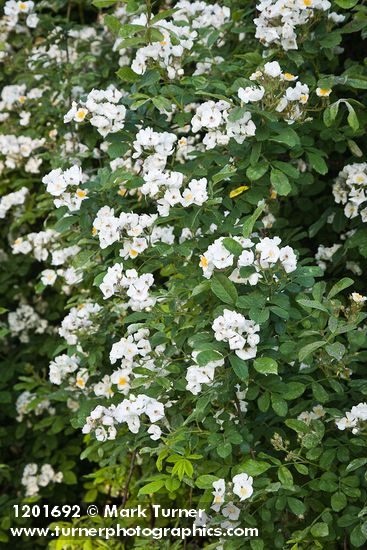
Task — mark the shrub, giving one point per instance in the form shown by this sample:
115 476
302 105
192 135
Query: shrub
183 245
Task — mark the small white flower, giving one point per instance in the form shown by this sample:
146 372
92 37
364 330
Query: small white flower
48 277
323 92
231 511
251 94
242 486
358 298
272 69
155 432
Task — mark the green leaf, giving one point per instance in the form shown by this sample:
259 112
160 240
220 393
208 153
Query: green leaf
285 477
338 501
320 530
127 74
258 315
319 393
224 289
151 487
279 405
352 117
263 401
254 467
112 23
65 223
130 29
240 367
301 468
336 350
358 537
293 390
91 495
162 103
249 223
297 425
339 286
224 174
162 15
266 365
287 168
355 25
224 449
182 467
232 246
309 348
201 287
207 356
69 478
331 113
105 3
287 136
255 153
280 182
354 149
206 481
172 484
155 34
331 40
256 172
312 304
237 113
296 506
346 4
310 441
202 403
355 464
359 83
318 163
280 312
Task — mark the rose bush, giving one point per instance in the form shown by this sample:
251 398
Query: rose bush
183 250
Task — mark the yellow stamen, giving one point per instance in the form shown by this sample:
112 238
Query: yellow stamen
203 262
81 114
81 193
21 99
324 91
122 381
94 231
133 253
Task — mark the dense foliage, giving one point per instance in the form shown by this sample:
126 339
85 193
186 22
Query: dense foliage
183 249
